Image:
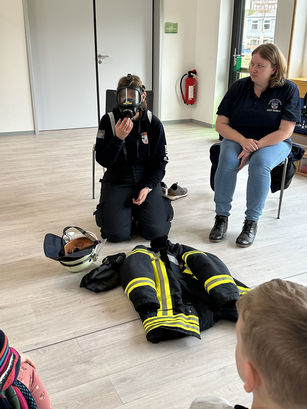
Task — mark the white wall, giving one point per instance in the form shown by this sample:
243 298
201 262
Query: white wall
202 42
223 56
178 56
15 101
212 49
206 50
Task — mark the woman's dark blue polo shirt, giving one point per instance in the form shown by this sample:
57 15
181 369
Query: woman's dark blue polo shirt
256 117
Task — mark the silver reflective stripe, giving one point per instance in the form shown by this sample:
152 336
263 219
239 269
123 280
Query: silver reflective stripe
149 115
162 288
218 280
141 281
173 259
112 120
211 282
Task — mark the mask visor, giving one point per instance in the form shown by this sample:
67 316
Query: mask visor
128 101
128 97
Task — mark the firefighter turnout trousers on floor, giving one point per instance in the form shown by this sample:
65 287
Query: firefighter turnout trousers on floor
180 293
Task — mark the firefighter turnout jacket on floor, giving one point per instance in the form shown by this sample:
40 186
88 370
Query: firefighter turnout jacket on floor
179 290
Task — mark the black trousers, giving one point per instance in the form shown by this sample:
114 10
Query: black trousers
116 213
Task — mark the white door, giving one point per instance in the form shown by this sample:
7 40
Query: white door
63 63
124 31
63 55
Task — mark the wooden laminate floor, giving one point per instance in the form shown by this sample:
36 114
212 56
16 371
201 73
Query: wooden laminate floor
90 349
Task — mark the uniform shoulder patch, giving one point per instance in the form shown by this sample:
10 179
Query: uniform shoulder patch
101 133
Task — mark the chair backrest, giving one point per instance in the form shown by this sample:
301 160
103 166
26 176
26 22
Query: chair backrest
302 127
111 99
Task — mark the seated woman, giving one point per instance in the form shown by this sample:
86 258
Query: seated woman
131 144
256 118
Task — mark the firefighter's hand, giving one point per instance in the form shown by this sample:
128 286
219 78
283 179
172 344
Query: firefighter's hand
123 128
25 359
244 156
142 196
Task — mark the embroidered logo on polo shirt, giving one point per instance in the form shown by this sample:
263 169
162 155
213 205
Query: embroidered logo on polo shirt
144 138
275 105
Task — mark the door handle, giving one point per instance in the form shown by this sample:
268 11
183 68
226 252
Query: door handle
101 57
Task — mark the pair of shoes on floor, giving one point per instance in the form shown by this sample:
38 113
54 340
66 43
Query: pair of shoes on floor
245 238
174 192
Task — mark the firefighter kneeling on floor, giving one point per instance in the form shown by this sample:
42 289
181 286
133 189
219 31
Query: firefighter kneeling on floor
131 145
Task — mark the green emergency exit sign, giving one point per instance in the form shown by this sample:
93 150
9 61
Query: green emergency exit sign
171 28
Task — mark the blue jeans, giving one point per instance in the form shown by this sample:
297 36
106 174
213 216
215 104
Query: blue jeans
260 165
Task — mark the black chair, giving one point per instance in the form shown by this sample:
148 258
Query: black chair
281 175
110 104
302 127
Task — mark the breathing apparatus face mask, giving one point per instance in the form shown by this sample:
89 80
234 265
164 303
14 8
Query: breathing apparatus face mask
128 101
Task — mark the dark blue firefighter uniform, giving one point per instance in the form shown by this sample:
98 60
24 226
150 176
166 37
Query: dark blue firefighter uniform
133 164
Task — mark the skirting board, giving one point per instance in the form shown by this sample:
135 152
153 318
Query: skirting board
16 133
183 121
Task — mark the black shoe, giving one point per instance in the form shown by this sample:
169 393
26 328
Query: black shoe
248 234
219 229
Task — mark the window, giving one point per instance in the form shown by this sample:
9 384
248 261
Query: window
255 25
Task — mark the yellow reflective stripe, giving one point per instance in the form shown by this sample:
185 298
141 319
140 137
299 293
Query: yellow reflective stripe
138 282
188 253
243 290
219 283
173 324
213 278
188 323
187 271
217 280
169 304
161 282
163 288
148 253
193 319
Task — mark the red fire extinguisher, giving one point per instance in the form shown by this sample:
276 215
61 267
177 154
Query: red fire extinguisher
189 87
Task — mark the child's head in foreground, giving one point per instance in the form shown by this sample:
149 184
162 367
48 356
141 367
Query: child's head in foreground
271 351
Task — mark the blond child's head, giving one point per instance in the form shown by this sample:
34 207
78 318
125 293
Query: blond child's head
272 343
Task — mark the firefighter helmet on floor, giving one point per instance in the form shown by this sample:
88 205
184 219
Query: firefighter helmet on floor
76 250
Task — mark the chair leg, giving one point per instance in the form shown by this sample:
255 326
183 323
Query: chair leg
93 169
282 187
